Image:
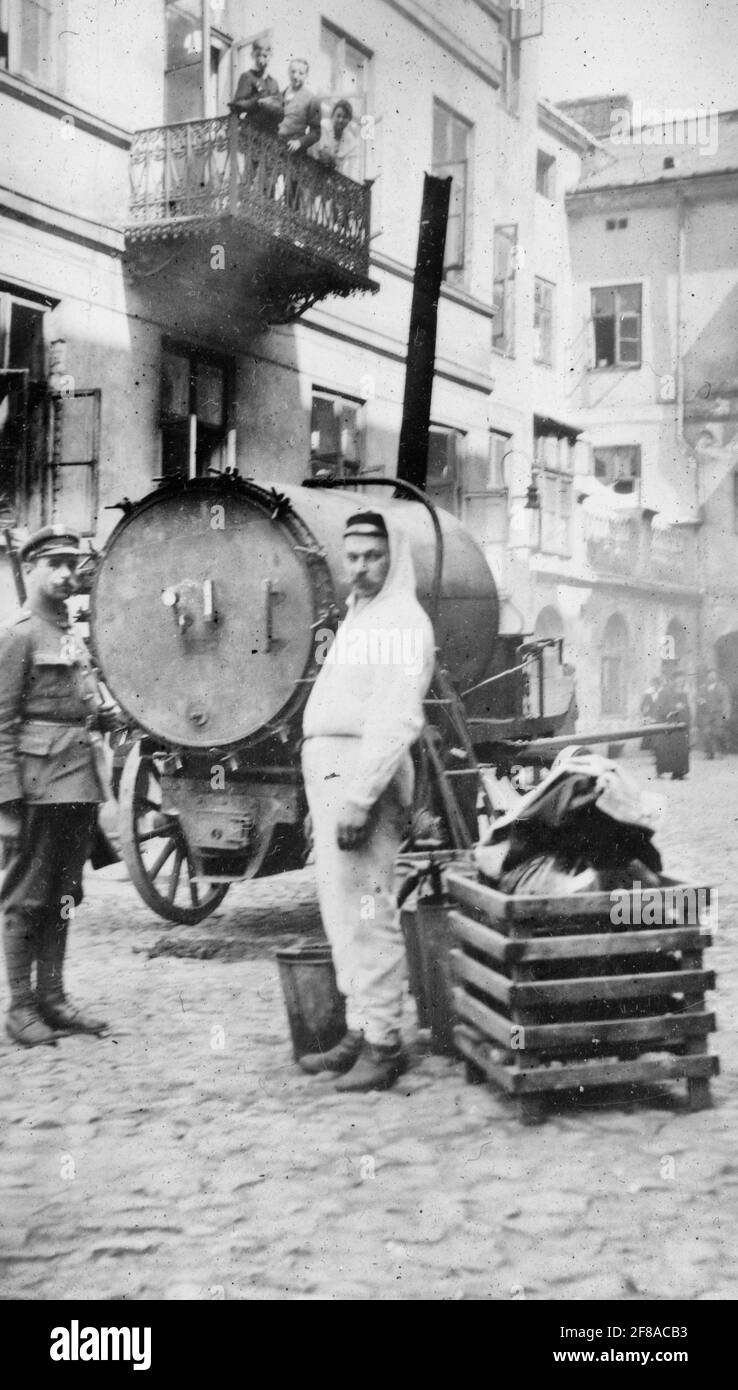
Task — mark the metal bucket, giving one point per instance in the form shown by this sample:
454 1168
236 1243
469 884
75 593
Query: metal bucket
316 1010
416 980
435 941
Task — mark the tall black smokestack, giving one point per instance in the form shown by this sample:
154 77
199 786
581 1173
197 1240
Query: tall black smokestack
412 459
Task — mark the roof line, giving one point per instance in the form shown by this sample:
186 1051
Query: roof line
583 191
549 112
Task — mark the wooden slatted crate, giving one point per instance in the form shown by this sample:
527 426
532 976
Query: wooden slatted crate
549 995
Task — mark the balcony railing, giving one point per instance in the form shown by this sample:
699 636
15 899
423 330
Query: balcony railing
612 543
672 555
186 177
629 546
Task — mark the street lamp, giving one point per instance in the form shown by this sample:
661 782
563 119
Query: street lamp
532 495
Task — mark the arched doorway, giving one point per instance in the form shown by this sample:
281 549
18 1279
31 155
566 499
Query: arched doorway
549 623
614 666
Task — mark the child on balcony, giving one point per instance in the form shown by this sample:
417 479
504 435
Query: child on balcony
257 98
339 148
300 124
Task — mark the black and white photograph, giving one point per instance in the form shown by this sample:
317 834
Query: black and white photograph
369 663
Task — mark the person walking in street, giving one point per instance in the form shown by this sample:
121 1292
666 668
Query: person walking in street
672 707
50 788
648 709
715 715
364 714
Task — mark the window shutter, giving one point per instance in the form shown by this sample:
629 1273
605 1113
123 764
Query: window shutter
72 496
371 135
590 344
13 444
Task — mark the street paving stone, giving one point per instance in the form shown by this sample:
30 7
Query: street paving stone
184 1156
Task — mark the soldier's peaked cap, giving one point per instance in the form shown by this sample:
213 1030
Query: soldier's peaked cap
52 540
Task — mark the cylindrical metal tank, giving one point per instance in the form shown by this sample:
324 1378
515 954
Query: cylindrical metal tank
209 594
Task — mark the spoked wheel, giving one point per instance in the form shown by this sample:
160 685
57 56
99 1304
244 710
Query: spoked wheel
155 850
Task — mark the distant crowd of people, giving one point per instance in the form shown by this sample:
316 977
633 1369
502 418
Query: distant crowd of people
295 114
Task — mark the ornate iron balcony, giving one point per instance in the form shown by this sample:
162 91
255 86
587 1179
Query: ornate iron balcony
672 554
613 544
309 224
627 545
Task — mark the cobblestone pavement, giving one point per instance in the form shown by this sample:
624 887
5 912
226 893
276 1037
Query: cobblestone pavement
185 1156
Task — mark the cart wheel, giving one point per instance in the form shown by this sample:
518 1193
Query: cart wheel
155 850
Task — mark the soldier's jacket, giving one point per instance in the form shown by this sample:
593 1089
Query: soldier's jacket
47 704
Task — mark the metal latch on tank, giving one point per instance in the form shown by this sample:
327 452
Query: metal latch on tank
190 600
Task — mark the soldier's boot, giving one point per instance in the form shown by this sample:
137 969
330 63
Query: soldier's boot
376 1069
337 1059
24 1023
55 1009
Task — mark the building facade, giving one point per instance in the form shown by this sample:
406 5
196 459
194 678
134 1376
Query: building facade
654 256
175 296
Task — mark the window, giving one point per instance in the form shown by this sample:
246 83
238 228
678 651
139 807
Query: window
196 389
511 75
336 435
499 445
554 452
554 461
13 415
614 668
22 405
73 476
349 76
22 335
543 321
28 39
545 174
484 492
185 99
451 156
555 498
616 316
503 289
445 447
619 467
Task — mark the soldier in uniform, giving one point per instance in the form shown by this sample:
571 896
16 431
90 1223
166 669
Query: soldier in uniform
50 787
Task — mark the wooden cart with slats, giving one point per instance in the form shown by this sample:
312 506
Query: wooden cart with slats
550 996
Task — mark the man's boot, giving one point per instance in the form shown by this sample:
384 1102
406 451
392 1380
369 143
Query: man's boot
377 1068
54 1007
60 1013
24 1023
337 1059
25 1026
